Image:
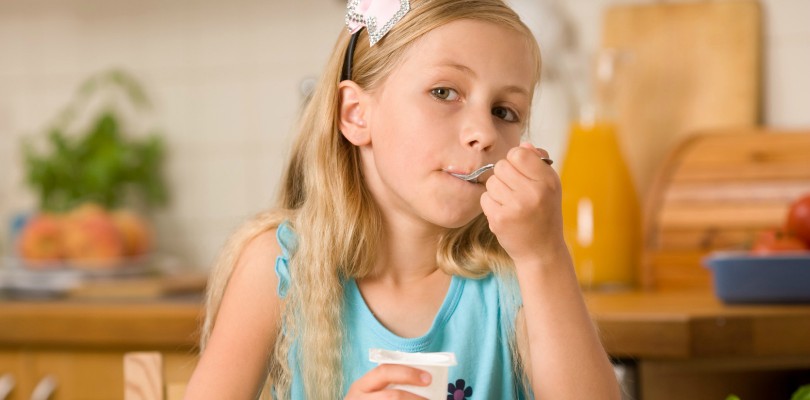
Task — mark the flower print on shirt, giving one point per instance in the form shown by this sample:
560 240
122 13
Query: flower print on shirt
459 391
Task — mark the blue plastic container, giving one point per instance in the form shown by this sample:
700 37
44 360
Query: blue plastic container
742 277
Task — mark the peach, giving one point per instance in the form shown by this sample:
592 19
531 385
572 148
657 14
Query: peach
135 231
41 239
91 238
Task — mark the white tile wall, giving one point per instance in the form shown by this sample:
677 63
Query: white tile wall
224 78
787 81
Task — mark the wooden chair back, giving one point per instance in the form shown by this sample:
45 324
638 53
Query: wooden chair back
144 378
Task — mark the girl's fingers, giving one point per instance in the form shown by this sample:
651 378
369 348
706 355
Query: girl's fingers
498 190
508 174
540 152
488 205
380 377
395 394
528 160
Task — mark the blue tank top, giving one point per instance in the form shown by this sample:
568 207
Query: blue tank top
469 324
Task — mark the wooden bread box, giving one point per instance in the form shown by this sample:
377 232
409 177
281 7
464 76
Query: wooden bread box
714 191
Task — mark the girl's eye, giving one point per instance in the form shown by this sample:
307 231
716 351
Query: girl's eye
505 114
444 94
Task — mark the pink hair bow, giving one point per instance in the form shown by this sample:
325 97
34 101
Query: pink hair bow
378 16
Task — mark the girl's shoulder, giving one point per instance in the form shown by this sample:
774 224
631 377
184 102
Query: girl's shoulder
264 243
263 247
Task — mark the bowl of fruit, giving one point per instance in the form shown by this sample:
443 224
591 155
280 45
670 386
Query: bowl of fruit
776 269
54 252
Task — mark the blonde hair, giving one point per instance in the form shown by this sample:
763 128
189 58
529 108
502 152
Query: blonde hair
336 223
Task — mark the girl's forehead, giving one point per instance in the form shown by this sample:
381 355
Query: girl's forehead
472 46
466 35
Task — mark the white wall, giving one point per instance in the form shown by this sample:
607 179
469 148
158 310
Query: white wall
224 77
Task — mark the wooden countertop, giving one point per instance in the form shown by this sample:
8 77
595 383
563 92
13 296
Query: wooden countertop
695 324
153 325
651 325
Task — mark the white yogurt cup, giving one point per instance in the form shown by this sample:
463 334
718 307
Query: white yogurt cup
436 364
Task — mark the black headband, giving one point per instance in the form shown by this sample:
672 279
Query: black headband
346 74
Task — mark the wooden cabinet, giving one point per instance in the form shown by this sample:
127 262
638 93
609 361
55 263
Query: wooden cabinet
12 366
80 347
87 375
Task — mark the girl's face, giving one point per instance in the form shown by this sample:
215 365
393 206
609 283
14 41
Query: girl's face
459 99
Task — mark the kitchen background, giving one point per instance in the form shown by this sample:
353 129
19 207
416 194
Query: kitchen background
227 80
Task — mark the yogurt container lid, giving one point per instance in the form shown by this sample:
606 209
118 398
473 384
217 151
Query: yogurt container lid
381 356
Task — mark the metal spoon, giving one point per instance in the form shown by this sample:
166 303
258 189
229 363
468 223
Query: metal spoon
473 176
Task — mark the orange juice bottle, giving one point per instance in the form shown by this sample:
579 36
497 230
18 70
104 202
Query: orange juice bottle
601 214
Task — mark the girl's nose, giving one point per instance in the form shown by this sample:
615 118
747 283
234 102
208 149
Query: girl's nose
479 130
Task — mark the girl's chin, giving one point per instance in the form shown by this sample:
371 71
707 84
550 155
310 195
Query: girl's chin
456 218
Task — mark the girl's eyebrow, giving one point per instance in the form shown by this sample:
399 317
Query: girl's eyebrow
517 89
457 66
467 70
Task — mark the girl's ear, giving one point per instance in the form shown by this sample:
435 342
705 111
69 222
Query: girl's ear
353 111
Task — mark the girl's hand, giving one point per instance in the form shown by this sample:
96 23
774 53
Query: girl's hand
523 204
373 385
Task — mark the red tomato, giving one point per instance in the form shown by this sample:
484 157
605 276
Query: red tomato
798 219
776 241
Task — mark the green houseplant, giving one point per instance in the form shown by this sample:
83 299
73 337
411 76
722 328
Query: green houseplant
101 164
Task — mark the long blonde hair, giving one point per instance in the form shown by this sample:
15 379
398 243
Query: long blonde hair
337 225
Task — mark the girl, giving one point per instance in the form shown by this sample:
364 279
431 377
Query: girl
375 244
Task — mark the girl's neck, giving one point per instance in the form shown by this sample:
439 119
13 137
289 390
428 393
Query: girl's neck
407 253
406 273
